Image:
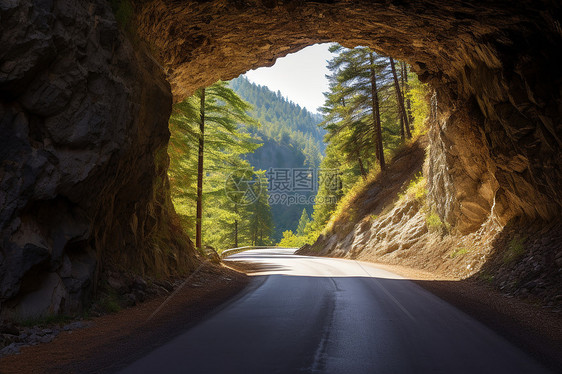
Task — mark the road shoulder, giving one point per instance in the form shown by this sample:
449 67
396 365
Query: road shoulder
115 340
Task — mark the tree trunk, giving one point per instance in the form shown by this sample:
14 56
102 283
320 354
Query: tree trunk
359 161
406 88
402 133
401 107
254 227
236 226
362 168
199 213
376 114
235 233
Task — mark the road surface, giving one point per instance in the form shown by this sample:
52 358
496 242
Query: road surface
321 315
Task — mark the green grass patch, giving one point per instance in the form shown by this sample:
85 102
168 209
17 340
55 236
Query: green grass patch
417 189
433 221
43 321
515 249
109 302
459 252
123 10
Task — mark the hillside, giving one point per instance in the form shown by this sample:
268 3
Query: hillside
279 116
391 221
291 140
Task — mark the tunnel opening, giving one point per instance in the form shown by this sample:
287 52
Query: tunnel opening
102 105
295 188
475 64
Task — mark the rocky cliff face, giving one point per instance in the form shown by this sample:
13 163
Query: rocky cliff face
83 118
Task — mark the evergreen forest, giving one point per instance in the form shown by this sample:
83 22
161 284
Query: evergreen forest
240 153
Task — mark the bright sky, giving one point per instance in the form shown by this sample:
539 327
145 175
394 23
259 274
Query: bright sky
299 76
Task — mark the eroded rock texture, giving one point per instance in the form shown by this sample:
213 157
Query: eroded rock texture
493 64
83 124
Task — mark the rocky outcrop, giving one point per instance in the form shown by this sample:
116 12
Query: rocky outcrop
83 118
518 258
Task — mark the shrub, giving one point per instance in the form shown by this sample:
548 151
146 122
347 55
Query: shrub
123 10
416 188
459 252
515 249
433 221
293 241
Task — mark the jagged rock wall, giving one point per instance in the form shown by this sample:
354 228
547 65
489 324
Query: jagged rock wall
493 66
83 123
462 185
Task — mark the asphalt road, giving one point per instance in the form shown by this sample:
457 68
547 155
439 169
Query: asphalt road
321 315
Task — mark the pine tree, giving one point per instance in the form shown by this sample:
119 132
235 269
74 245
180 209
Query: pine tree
353 105
199 213
331 181
401 106
364 95
214 121
261 225
362 119
303 222
375 110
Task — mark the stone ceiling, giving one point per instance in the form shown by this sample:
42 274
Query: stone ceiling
199 42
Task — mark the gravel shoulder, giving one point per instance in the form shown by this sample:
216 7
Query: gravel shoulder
112 341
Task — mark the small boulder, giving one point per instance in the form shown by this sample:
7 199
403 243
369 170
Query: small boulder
9 350
46 338
9 328
211 254
139 283
130 300
118 285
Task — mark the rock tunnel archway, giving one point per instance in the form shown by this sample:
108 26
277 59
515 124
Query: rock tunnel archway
488 61
85 112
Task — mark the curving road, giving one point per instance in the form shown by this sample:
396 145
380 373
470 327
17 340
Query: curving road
321 315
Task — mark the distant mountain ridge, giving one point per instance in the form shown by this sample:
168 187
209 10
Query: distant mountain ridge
292 140
281 118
